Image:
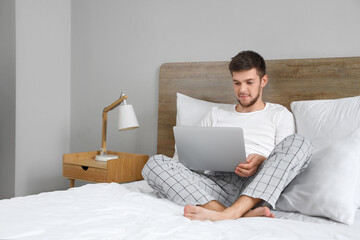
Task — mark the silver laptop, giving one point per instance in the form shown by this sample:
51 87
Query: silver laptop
210 148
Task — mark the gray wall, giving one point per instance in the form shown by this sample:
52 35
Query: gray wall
42 94
7 98
120 46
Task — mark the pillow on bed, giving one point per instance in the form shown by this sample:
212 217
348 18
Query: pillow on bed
324 123
190 110
329 187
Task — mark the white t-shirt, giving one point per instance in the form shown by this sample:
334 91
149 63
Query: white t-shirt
263 129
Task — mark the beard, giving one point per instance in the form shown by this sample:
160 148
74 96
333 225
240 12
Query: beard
252 102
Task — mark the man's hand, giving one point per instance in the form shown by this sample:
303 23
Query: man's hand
253 162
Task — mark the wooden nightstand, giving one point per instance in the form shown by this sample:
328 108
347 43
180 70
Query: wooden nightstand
83 166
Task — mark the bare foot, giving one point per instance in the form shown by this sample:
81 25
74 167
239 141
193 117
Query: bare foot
199 213
213 205
259 212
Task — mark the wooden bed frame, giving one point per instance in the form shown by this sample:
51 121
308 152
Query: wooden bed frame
289 80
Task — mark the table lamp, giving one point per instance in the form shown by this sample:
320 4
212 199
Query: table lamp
127 121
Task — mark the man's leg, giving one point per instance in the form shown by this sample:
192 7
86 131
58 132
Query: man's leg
213 205
287 160
181 185
259 212
241 208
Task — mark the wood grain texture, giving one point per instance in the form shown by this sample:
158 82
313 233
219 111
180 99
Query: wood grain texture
83 166
289 80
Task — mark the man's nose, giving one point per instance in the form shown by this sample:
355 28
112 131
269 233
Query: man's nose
242 88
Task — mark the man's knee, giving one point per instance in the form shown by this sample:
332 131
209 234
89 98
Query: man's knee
152 166
305 144
296 147
301 148
298 141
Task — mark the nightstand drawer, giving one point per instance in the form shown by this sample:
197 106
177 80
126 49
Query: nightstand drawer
83 166
85 173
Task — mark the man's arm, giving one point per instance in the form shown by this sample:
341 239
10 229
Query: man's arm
284 126
253 162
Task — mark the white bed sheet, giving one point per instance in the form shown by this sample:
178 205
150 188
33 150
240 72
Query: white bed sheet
134 211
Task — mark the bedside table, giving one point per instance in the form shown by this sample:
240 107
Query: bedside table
83 166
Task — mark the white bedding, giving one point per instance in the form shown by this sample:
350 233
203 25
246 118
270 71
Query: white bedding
134 211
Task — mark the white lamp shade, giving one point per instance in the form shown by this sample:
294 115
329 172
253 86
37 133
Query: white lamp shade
127 118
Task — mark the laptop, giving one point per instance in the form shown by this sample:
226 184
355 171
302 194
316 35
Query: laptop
210 148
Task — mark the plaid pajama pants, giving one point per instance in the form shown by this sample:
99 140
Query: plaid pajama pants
181 185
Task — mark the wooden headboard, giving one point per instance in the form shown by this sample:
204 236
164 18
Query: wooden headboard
289 80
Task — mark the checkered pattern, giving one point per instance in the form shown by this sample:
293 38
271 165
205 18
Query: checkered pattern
183 186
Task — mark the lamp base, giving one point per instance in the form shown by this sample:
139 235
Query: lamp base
105 158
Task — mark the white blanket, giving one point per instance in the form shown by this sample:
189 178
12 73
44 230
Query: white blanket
133 211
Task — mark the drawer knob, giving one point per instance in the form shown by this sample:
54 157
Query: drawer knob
85 168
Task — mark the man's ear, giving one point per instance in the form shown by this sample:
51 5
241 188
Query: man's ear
264 81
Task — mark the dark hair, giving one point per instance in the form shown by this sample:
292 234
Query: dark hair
247 60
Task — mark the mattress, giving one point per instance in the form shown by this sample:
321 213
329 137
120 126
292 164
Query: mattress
135 211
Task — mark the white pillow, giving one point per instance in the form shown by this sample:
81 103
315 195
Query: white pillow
329 187
190 110
325 121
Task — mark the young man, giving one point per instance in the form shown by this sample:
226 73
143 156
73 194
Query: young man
275 155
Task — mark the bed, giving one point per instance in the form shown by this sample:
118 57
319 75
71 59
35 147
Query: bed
135 211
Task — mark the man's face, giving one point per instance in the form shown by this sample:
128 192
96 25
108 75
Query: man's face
248 87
